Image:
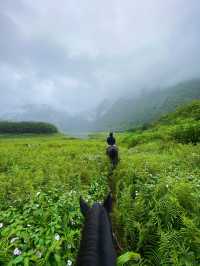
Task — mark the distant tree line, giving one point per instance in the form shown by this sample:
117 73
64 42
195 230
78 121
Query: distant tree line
7 127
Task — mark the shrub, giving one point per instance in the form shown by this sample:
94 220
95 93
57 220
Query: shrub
187 132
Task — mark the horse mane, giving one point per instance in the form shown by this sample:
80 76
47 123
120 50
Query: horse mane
96 239
107 251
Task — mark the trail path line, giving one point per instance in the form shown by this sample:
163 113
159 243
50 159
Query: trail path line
111 185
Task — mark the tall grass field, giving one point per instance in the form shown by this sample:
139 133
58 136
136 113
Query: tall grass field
156 187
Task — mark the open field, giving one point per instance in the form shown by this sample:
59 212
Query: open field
156 186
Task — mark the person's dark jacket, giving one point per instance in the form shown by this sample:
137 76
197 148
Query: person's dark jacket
111 140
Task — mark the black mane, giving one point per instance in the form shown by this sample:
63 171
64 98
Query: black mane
96 248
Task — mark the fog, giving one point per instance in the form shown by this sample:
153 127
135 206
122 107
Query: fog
73 54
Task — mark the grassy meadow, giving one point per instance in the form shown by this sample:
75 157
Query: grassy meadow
41 180
156 188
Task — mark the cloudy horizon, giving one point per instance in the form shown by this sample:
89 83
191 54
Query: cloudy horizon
74 54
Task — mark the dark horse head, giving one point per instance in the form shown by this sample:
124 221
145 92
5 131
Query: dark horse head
112 152
96 248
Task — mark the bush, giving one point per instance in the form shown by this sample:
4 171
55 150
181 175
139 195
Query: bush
144 137
187 132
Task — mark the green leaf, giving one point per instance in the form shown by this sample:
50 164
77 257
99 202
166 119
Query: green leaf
26 261
58 259
128 256
18 259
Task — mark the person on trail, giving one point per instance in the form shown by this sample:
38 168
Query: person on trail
111 140
112 150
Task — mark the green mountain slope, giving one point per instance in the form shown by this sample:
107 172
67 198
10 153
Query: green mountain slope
126 113
181 126
190 111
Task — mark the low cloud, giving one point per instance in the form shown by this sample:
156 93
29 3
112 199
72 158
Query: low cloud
73 54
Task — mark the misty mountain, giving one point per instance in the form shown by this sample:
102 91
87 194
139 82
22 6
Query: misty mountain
126 112
148 106
80 122
95 114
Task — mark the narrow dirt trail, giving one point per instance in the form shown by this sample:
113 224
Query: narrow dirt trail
111 184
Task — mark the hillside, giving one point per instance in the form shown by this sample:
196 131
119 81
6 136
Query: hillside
183 112
149 106
181 126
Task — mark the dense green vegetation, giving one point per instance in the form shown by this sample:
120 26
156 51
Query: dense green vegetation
7 127
157 214
181 126
156 189
41 181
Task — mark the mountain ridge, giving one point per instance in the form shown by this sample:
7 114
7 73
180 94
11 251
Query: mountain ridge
122 114
126 113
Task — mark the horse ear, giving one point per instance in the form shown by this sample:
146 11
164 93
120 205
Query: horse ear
83 206
108 203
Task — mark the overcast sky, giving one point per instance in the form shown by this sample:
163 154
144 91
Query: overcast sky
74 53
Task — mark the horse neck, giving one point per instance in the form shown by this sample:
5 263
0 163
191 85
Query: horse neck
106 247
96 248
